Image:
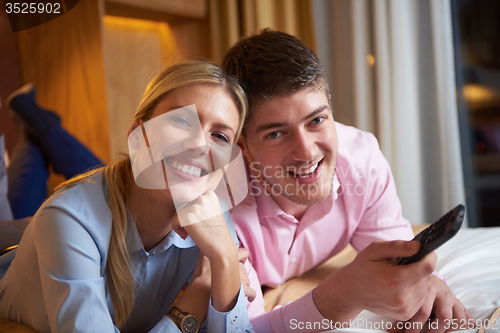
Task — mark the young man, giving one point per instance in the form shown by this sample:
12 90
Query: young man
315 186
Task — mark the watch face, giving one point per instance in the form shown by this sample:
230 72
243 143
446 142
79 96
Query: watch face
189 324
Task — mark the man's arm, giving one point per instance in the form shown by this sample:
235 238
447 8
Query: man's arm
373 281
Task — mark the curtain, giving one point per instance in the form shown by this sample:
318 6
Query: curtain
229 20
391 69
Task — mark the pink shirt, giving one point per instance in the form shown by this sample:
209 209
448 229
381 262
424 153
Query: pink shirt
362 208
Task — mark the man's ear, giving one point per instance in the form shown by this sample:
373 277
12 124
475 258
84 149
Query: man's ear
243 146
135 135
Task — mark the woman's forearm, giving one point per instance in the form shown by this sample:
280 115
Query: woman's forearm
195 300
225 282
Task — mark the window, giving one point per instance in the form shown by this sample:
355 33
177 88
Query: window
477 60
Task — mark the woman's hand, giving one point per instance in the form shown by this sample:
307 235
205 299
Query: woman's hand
215 242
210 234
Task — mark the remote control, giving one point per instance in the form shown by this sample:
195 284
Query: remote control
437 234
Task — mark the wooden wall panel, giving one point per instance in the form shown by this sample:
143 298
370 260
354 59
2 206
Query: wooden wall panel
64 59
192 37
134 52
10 79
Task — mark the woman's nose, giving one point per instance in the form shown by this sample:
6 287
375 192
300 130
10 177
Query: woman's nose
197 143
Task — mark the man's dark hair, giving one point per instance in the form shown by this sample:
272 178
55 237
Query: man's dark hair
272 64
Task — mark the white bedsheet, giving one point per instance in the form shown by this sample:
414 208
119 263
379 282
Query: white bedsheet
470 262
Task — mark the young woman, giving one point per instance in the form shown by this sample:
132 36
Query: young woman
101 255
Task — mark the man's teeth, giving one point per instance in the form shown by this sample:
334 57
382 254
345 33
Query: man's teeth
189 169
307 172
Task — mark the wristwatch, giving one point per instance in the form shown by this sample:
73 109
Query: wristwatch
187 322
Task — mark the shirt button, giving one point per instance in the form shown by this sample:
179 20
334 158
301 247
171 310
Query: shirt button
235 330
235 318
144 260
294 260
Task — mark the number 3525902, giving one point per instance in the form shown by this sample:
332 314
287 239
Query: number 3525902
32 8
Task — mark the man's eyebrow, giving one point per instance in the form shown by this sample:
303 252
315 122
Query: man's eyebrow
265 127
315 112
268 126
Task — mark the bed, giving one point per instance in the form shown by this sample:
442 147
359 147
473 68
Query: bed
470 262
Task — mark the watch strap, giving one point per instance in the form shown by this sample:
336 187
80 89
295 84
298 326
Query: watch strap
178 315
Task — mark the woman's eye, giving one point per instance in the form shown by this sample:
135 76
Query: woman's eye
181 121
274 135
220 137
318 120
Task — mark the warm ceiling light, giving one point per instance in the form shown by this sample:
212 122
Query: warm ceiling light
478 94
132 23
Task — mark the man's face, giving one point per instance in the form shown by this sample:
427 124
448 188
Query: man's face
291 143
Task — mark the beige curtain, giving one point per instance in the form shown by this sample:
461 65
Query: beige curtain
64 59
391 64
229 20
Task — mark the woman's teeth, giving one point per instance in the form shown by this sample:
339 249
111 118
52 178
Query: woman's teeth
189 169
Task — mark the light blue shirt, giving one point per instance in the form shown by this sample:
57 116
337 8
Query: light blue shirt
57 281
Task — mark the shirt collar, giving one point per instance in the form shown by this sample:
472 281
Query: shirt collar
172 238
266 206
335 187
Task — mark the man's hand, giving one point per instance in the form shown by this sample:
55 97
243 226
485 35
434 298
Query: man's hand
374 281
448 310
245 281
202 273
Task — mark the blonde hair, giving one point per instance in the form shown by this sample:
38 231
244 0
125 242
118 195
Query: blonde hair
119 175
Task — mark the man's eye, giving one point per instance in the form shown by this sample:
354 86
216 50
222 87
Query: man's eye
274 135
318 120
